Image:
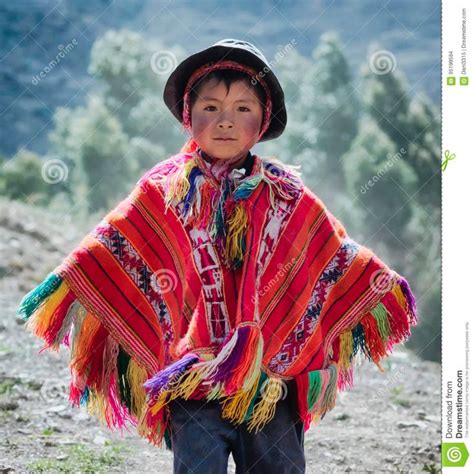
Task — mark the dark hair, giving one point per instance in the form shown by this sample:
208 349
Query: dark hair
229 76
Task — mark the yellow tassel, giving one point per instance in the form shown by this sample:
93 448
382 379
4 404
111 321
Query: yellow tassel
179 183
184 387
235 408
205 356
237 224
137 376
40 320
398 293
264 410
142 428
96 405
160 402
315 418
345 349
154 434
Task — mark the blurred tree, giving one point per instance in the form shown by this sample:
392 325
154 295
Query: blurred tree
333 110
322 115
426 338
120 60
380 181
298 136
22 178
386 95
424 149
133 71
411 124
143 152
93 138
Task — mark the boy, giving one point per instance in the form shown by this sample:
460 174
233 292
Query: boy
220 306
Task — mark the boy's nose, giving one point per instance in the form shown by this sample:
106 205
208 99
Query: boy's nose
225 119
225 124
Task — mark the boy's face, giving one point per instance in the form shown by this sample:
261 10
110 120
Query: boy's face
216 114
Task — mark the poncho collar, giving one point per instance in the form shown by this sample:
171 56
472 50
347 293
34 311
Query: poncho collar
218 200
219 170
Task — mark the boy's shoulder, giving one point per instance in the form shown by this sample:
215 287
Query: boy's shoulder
164 168
275 166
285 176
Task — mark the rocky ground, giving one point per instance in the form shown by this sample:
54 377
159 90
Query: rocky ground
387 422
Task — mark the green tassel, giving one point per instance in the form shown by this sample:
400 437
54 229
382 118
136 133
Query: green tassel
263 377
380 314
238 262
218 228
123 359
30 302
314 388
245 188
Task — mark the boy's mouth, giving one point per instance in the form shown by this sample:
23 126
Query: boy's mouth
225 139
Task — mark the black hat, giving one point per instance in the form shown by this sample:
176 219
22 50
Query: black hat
235 50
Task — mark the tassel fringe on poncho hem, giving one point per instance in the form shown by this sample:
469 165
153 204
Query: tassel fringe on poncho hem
114 387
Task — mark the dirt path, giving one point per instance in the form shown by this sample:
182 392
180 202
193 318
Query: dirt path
387 423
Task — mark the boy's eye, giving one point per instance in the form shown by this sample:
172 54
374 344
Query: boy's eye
213 107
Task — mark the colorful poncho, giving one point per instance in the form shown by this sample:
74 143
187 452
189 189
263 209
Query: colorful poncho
198 288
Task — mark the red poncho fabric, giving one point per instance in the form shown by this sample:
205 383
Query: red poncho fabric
224 287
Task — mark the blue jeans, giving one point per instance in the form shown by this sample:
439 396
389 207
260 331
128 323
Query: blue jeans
201 440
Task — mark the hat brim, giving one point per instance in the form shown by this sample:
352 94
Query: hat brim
176 83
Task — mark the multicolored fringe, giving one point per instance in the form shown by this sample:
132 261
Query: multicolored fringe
316 392
103 377
48 311
119 391
374 336
378 331
223 212
234 375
